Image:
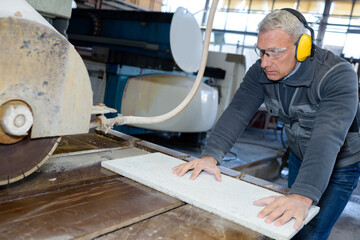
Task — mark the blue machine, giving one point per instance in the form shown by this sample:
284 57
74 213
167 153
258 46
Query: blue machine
131 38
131 43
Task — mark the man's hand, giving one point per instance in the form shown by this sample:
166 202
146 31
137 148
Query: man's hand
206 163
284 208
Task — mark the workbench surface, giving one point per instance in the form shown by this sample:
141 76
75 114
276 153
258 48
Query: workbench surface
72 196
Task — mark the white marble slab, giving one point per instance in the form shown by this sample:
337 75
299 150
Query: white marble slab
232 198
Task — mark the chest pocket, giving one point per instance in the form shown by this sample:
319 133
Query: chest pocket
272 106
306 120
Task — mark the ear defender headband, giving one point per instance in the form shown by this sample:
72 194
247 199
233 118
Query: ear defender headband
304 46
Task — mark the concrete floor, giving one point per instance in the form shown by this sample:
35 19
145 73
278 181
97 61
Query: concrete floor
253 146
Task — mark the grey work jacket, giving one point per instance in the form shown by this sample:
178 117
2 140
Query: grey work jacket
317 105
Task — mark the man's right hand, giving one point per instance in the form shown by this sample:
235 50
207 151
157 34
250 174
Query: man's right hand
206 163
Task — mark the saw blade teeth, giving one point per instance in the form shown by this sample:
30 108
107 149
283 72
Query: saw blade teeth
22 165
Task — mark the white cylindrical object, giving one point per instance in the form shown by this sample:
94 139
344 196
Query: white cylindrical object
17 120
152 95
186 40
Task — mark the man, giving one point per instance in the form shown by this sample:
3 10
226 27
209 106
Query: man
316 97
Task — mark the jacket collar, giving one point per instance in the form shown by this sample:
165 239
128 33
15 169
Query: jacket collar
303 77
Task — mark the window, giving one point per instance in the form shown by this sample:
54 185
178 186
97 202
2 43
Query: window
254 19
356 11
265 6
314 7
279 4
351 47
341 7
220 20
238 5
238 21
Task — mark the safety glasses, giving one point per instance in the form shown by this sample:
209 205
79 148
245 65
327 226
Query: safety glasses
271 52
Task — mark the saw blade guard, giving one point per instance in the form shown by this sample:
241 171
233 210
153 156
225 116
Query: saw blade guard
39 67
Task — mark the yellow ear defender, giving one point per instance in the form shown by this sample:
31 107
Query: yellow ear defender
304 46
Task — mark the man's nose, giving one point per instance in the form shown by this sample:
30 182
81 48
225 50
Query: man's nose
265 61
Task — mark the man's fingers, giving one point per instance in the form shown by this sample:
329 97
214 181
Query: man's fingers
287 216
264 201
207 164
266 211
177 168
283 209
299 221
181 169
195 173
273 214
218 175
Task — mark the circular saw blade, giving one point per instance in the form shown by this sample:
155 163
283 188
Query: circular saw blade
20 159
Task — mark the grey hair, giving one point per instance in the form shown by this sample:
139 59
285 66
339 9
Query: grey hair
284 20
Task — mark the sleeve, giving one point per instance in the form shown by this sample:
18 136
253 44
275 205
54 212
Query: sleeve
337 108
237 115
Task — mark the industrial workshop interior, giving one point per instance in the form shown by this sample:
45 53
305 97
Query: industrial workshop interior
100 100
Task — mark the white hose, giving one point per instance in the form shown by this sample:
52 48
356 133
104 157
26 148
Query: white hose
120 120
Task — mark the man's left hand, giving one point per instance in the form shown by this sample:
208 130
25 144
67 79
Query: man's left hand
284 208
